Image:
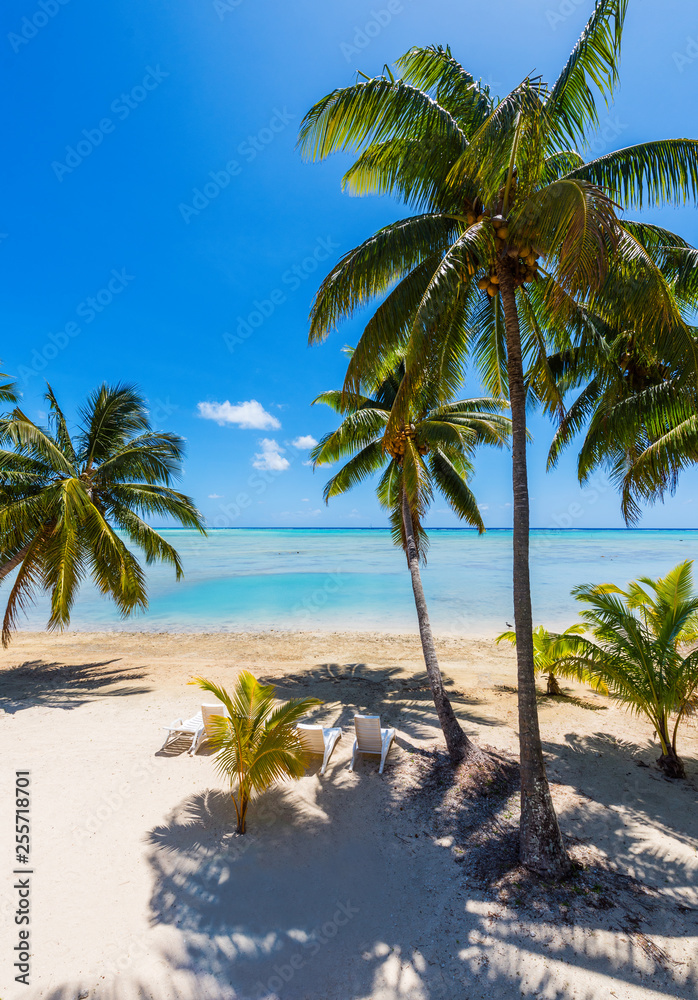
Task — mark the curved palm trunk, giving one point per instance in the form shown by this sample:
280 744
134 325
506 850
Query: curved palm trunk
541 844
457 743
14 562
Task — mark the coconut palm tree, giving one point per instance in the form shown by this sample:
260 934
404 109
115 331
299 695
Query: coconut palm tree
639 651
431 449
258 744
548 651
66 501
515 242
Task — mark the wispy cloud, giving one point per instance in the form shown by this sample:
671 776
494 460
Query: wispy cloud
304 442
271 456
250 415
215 496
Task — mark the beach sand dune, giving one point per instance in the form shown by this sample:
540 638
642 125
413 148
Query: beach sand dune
347 887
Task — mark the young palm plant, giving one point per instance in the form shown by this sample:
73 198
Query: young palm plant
431 449
638 652
66 502
258 744
548 651
517 239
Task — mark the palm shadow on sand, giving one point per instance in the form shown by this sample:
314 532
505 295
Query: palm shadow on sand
57 685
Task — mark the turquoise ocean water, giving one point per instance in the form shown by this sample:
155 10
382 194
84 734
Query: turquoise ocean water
336 579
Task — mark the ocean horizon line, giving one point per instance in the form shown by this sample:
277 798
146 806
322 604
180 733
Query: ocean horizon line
339 527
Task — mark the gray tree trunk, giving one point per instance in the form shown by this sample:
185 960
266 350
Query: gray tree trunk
457 743
541 845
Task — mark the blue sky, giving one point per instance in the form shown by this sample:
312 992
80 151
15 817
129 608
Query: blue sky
160 227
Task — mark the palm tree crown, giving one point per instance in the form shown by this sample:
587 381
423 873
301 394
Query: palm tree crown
432 448
66 501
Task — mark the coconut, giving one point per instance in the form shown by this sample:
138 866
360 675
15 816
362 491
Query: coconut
471 218
531 260
483 283
513 251
503 233
498 221
524 252
492 290
494 280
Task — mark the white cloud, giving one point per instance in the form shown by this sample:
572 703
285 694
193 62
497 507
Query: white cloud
271 456
304 442
215 496
305 499
250 415
483 506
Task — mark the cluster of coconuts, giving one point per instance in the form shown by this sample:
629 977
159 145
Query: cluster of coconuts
397 446
524 255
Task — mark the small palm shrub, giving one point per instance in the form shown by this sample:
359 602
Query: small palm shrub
259 744
640 651
548 650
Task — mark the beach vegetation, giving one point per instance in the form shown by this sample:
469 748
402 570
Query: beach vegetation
639 647
635 411
69 502
548 650
516 246
430 450
257 744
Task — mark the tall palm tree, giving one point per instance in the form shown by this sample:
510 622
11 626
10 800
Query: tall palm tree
257 743
516 240
432 448
66 501
638 652
548 650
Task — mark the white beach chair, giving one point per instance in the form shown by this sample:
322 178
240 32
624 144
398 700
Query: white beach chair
207 713
370 738
198 727
319 740
193 727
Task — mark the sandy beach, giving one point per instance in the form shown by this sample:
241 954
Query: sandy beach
352 885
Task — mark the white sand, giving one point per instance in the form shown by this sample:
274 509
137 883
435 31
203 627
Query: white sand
141 888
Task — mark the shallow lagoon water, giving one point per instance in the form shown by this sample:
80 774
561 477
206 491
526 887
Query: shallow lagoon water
353 579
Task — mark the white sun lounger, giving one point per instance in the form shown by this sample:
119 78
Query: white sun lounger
193 727
198 727
370 738
319 740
